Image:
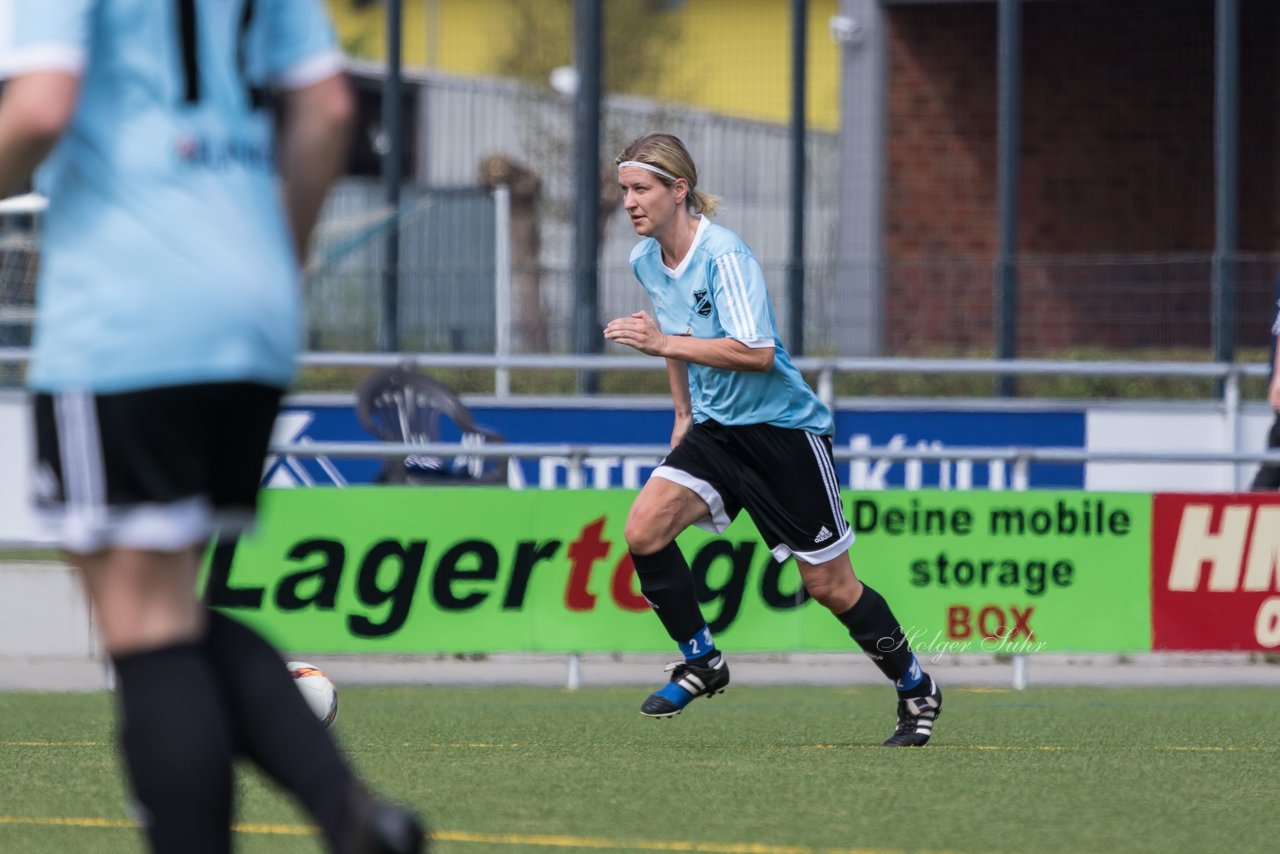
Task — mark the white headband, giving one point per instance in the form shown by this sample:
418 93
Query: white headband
648 167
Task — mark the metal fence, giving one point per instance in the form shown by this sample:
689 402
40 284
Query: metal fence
446 270
483 132
925 288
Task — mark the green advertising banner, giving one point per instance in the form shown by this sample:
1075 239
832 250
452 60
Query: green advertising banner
475 569
1010 571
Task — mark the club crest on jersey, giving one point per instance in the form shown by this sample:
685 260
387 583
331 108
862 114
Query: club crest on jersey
701 304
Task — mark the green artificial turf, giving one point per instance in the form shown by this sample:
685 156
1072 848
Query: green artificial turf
759 770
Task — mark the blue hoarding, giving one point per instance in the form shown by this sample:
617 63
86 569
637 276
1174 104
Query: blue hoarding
855 428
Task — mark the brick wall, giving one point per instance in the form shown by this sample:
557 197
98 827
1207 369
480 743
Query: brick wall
1117 183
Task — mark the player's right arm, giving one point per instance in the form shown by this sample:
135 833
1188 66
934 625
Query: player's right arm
42 54
35 109
678 379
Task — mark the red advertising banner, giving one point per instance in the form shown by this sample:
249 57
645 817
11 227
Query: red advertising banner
1215 572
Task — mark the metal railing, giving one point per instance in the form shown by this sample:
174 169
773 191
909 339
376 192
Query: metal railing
1230 374
1019 459
826 369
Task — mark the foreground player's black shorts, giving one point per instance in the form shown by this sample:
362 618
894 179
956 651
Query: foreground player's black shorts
784 478
160 468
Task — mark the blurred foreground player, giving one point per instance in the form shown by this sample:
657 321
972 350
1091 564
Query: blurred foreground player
749 434
166 332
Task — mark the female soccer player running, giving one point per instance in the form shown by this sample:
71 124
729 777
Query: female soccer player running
749 434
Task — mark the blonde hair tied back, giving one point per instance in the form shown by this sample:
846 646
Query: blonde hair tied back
668 153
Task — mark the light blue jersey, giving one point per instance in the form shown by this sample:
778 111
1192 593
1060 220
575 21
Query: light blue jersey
166 255
718 291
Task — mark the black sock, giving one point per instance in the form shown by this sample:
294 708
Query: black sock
878 632
665 580
177 747
276 728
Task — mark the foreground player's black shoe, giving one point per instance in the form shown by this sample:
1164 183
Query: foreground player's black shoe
915 718
386 828
688 682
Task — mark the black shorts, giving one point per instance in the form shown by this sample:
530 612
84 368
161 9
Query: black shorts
160 468
784 478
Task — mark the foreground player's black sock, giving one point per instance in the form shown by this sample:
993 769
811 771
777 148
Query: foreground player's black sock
276 728
177 748
667 583
878 632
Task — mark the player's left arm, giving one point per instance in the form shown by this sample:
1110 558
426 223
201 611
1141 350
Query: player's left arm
306 66
315 132
43 48
678 379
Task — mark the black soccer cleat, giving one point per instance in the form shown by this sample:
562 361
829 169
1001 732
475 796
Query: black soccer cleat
689 681
394 830
915 718
386 828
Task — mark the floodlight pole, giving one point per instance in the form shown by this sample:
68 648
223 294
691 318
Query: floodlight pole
795 264
1008 118
392 158
588 335
1226 179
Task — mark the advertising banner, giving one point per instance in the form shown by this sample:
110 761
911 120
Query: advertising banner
479 569
1009 572
1216 572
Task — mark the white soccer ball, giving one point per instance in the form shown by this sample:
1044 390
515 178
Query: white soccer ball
316 689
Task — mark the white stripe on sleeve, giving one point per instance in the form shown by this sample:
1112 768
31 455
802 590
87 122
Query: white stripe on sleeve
726 285
740 289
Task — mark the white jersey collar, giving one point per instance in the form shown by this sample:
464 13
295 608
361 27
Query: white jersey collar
688 256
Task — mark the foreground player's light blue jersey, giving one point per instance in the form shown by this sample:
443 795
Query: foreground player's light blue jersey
166 255
718 291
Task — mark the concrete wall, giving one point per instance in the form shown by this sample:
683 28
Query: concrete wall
43 613
17 521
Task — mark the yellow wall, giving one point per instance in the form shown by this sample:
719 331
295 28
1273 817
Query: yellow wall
732 57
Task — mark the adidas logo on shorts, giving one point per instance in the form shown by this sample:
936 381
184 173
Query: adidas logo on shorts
823 535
